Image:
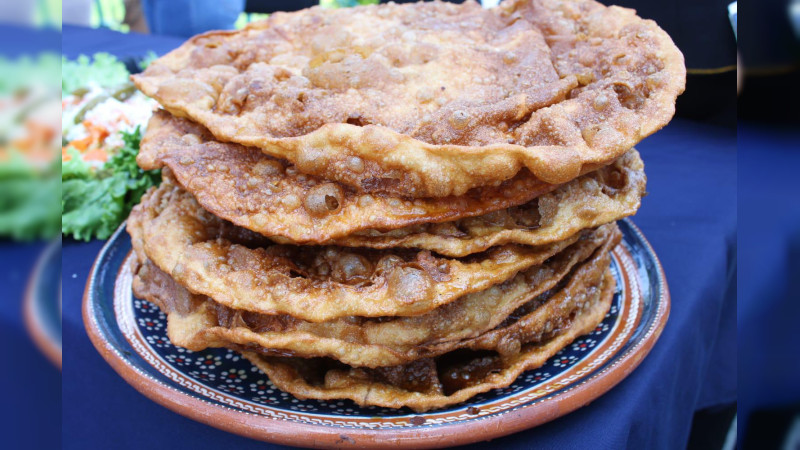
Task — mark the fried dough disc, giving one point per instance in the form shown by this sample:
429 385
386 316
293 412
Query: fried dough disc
243 270
428 383
430 99
602 196
263 194
257 192
196 322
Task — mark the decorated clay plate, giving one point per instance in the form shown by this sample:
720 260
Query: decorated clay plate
42 307
220 388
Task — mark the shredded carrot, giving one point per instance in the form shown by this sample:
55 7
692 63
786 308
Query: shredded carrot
81 144
35 144
90 146
95 154
98 133
64 155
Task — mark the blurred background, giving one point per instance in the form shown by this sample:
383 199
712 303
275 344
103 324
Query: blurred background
759 57
30 336
769 224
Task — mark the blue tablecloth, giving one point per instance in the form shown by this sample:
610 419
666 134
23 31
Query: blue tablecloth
769 240
689 217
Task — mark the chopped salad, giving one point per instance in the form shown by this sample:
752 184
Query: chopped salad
98 104
103 117
28 144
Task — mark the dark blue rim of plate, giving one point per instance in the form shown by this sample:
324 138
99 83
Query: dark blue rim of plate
99 314
43 302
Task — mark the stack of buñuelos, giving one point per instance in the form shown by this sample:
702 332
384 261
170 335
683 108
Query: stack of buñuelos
402 205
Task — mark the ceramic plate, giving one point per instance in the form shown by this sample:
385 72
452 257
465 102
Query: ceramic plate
222 389
42 307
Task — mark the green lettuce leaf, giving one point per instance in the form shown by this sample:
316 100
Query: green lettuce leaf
92 207
94 204
103 69
29 72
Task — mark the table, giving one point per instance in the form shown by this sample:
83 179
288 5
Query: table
689 217
769 242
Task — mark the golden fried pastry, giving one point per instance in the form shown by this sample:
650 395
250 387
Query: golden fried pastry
263 194
259 193
243 270
599 197
196 322
402 205
429 383
430 99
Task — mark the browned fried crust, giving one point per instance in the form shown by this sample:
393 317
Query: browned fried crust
429 383
599 197
430 99
262 194
243 270
553 289
270 196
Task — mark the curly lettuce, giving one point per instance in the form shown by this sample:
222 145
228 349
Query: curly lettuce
95 202
103 70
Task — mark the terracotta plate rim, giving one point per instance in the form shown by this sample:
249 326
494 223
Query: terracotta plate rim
32 311
334 436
